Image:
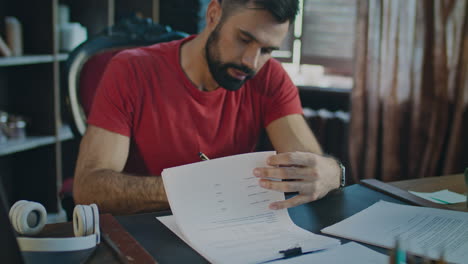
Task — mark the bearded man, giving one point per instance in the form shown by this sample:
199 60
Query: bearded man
159 106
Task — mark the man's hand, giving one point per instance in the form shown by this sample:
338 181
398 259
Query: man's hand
309 174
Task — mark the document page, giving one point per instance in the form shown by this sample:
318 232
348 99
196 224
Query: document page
423 231
223 213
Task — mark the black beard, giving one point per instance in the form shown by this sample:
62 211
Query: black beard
219 70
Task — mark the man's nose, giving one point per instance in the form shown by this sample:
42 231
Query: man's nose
251 57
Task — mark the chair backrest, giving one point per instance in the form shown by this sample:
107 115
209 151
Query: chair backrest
86 64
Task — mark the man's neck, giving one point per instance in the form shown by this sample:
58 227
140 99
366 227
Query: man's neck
194 65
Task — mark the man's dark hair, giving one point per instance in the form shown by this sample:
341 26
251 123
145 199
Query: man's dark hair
282 10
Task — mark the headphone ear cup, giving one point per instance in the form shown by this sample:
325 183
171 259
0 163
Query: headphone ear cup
16 218
12 214
28 218
78 220
89 221
96 230
86 221
13 207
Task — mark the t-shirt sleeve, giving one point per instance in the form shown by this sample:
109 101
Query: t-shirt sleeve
281 96
114 101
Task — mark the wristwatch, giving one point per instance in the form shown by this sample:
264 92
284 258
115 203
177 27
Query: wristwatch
343 173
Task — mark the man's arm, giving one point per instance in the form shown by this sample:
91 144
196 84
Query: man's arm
300 161
99 178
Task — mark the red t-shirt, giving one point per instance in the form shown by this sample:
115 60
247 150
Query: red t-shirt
144 94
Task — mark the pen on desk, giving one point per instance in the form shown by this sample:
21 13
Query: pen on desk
203 156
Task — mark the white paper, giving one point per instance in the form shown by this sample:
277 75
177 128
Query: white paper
442 197
424 231
223 213
349 253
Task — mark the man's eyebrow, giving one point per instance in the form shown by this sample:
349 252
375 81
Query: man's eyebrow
248 34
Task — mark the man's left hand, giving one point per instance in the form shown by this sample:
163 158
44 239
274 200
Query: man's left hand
311 175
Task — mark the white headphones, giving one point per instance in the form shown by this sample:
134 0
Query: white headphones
28 218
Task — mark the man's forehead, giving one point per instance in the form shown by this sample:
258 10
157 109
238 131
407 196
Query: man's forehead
259 24
265 41
255 12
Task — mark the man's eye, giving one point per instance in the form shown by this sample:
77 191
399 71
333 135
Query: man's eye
245 40
266 51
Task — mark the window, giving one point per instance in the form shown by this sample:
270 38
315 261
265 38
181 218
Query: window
319 49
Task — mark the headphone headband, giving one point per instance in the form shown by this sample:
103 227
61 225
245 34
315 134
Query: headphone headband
28 218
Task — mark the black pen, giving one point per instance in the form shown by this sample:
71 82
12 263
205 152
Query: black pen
203 156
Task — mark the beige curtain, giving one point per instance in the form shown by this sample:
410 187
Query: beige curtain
409 114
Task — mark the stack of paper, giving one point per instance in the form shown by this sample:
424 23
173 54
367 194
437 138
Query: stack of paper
223 213
425 231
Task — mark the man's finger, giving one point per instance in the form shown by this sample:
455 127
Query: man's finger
285 173
292 159
281 186
291 202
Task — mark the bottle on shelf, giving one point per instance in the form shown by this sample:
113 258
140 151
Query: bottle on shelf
4 49
12 127
3 126
14 35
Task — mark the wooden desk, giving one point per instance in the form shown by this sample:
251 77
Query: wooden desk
103 253
117 245
454 183
165 247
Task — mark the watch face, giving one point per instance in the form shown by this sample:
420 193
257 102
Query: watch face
343 174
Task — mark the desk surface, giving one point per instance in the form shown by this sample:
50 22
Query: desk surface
166 247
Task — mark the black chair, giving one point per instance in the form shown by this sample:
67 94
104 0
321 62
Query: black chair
86 63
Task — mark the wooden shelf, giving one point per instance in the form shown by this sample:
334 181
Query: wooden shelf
30 59
14 146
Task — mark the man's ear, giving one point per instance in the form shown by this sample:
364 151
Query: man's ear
213 14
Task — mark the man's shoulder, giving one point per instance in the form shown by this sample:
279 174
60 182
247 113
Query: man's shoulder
270 70
270 76
162 48
151 53
271 66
